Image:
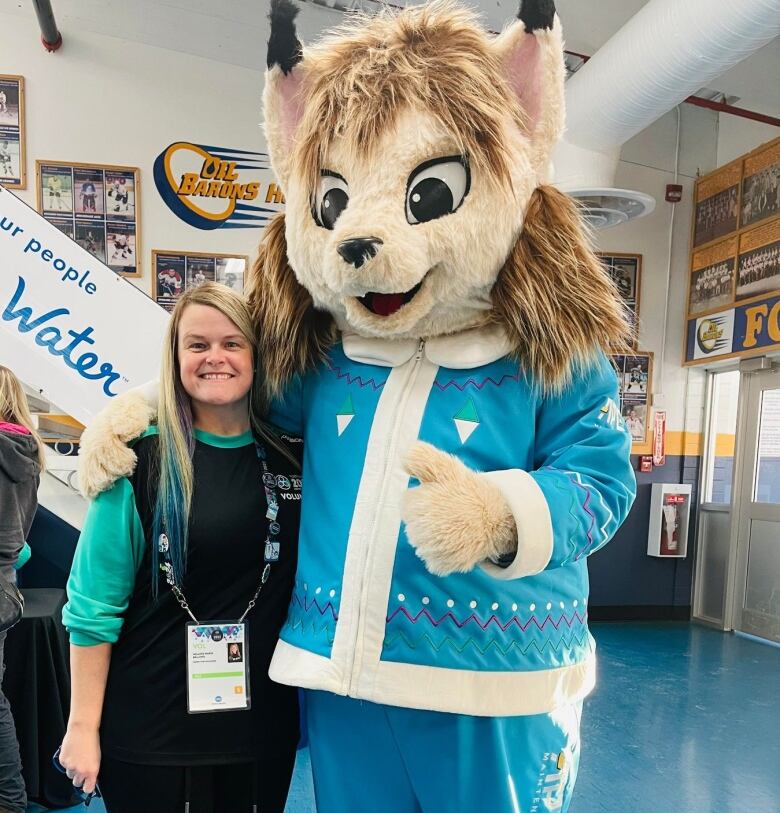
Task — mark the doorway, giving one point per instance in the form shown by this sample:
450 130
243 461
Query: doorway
753 589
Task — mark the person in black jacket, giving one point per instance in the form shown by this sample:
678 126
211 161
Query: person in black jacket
200 523
21 462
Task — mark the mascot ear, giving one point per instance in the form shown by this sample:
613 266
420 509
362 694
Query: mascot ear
531 51
282 102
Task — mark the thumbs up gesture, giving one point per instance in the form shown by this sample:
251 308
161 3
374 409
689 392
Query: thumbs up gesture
455 518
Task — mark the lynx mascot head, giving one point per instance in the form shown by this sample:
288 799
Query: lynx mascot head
413 150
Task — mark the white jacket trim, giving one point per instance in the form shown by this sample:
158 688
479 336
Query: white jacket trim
534 525
432 688
376 523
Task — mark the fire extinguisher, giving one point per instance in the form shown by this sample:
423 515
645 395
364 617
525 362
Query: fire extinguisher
670 540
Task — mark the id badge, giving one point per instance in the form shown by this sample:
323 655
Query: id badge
217 667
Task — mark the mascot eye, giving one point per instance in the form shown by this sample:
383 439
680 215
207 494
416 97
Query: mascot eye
437 188
331 199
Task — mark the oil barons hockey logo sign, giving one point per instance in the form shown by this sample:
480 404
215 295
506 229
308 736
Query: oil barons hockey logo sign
217 187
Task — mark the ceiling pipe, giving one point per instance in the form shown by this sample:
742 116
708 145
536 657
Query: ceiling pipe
721 107
50 35
658 59
661 56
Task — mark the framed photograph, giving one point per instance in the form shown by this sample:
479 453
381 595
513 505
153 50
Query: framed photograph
712 277
761 185
97 205
13 165
758 270
626 272
174 272
635 377
717 204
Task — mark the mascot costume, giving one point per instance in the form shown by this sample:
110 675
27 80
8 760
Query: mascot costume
433 321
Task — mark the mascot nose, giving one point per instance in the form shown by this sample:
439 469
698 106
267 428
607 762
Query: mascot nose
359 250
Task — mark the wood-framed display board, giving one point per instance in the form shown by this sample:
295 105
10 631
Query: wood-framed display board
174 272
98 206
733 307
626 272
13 162
635 377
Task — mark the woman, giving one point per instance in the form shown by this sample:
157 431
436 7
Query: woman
21 462
187 540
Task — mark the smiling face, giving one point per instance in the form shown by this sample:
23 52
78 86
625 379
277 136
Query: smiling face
408 241
215 359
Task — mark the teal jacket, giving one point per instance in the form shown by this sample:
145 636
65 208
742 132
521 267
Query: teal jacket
366 618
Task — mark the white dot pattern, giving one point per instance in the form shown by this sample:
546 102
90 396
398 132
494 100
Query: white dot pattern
401 597
450 602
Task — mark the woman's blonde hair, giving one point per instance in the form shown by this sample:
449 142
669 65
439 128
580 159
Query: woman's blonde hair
15 409
175 422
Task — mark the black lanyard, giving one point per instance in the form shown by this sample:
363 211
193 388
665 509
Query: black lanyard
272 544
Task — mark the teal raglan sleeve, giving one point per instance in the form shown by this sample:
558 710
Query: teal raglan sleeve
286 410
582 486
108 555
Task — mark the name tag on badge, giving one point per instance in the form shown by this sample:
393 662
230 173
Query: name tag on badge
271 551
217 667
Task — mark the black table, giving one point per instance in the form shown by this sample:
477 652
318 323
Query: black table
37 685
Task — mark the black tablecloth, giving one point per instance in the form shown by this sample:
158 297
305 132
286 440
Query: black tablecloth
37 685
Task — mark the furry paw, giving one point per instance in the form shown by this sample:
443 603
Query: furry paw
104 456
455 519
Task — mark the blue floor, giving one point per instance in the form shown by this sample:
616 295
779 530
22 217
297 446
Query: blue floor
684 720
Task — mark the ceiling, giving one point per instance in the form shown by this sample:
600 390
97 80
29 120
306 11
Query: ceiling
235 31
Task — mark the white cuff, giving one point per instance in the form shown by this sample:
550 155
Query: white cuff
534 527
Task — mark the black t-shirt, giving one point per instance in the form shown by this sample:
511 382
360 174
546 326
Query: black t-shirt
145 717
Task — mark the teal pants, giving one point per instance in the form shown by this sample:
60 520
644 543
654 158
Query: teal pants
385 759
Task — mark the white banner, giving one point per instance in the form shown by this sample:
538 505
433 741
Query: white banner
69 326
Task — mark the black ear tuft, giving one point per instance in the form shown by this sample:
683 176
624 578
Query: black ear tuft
284 49
537 14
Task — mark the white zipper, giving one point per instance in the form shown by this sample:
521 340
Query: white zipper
357 641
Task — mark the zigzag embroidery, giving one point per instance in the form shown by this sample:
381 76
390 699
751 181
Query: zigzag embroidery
570 542
477 384
356 379
307 605
492 644
492 620
576 478
315 629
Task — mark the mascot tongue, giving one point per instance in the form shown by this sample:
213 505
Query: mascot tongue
386 304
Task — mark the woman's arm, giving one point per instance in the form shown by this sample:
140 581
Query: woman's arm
80 754
101 582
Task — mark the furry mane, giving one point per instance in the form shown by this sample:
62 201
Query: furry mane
292 335
371 69
553 297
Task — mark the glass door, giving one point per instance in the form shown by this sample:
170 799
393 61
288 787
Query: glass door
755 585
714 514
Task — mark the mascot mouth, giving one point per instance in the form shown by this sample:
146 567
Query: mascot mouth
388 304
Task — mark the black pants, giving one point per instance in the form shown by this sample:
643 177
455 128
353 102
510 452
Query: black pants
129 788
12 794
